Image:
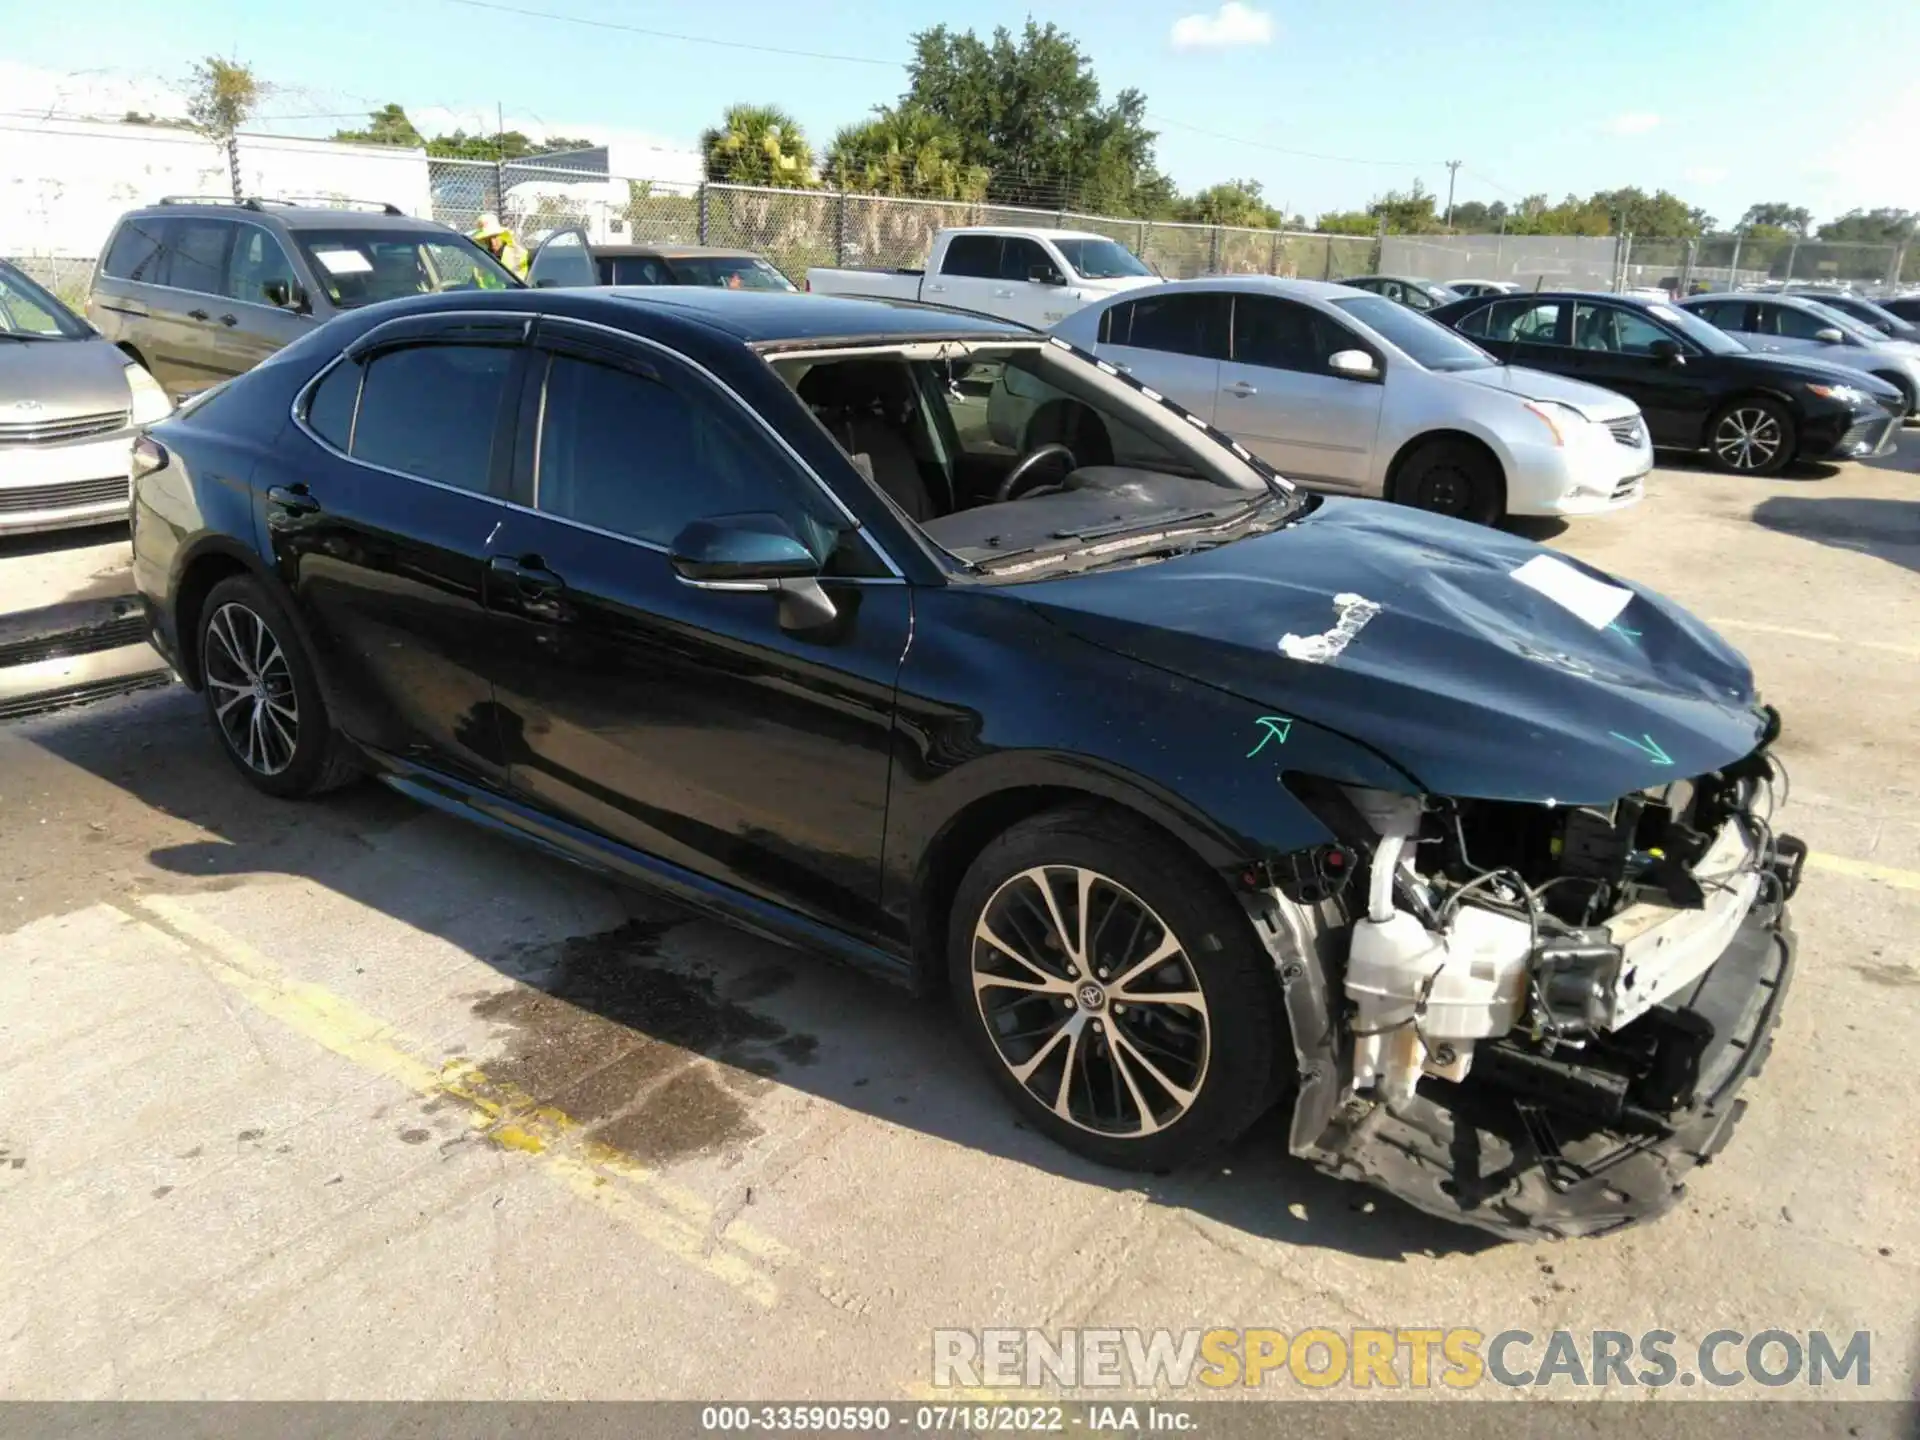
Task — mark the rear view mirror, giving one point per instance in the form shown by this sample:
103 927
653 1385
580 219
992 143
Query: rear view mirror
755 553
1830 336
1354 364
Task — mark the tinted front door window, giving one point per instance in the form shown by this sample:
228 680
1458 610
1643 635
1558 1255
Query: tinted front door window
1284 335
1610 328
1023 259
257 260
977 255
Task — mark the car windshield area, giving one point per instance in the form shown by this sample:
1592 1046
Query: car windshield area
734 272
1029 450
1427 343
364 267
1710 339
1848 325
1101 259
28 312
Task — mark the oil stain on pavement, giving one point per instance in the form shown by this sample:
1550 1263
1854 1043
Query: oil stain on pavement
605 1032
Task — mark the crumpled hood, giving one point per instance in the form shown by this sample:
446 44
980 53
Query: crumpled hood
1590 400
57 379
1472 682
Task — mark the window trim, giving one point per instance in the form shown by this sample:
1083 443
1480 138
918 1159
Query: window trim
1354 341
299 269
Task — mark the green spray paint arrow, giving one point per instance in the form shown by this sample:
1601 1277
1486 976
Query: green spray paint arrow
1647 746
1278 727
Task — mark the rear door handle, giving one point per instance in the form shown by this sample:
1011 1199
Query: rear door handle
228 320
1242 389
536 588
936 289
294 499
198 315
1003 294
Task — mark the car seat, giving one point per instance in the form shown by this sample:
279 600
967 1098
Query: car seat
866 406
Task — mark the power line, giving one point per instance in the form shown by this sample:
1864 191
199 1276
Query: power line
675 35
1263 145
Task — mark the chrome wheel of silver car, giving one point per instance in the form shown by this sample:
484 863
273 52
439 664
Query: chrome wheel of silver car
252 689
1748 438
1090 1001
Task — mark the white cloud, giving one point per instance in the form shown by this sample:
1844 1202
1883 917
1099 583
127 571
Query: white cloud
1868 165
1633 122
1706 174
1231 25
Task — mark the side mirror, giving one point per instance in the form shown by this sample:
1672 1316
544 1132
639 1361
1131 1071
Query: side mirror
1830 336
1045 275
1667 352
286 295
1353 364
754 553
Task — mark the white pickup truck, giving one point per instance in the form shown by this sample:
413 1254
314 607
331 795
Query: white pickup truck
1035 277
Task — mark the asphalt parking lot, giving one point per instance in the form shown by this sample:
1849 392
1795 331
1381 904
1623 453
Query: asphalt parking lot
349 1100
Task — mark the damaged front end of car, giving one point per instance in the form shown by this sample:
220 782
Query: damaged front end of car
1533 1017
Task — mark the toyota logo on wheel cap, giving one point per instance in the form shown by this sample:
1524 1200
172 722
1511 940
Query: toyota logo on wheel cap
1090 995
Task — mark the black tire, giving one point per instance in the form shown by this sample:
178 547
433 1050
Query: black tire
1453 477
1138 1055
1751 436
286 745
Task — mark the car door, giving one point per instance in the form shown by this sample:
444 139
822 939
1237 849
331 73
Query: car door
1523 331
379 527
1279 399
188 341
1613 347
969 273
564 258
252 326
1173 340
1790 330
687 722
1032 288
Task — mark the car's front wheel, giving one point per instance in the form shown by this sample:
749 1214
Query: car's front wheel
1754 436
263 695
1453 477
1115 990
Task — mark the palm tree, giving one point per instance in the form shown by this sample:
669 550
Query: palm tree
758 145
908 151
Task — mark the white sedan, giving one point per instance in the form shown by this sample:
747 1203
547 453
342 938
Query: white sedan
1348 392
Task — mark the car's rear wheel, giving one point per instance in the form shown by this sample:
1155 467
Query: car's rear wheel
263 696
1752 436
1453 477
1114 990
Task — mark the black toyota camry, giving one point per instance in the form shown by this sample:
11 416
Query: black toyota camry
1200 794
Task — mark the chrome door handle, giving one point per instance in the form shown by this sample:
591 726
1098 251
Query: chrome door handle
1003 294
1242 389
936 289
197 315
228 321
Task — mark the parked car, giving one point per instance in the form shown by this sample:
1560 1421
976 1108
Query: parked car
1405 290
568 257
1186 788
1862 311
1799 326
1034 277
199 290
1482 287
1350 392
1905 307
1698 387
70 405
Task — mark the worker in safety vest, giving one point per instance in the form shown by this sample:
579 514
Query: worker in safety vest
498 241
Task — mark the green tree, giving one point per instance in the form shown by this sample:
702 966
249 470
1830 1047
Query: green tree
1030 113
757 145
1885 226
1232 202
388 125
1408 213
1348 222
904 150
1777 216
501 145
1476 217
222 95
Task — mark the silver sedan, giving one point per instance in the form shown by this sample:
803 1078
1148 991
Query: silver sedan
1798 324
1349 392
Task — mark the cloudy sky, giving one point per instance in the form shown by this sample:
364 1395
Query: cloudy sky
1324 104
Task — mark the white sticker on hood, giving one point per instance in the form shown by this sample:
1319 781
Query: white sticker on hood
1594 601
1352 614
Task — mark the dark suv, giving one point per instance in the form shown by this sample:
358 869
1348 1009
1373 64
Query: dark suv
198 290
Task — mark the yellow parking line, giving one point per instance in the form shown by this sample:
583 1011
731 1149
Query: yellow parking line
665 1215
1862 870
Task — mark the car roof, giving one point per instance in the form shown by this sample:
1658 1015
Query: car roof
765 317
1028 230
1256 284
298 217
667 251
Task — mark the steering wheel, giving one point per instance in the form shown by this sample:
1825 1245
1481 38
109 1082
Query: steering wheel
1029 462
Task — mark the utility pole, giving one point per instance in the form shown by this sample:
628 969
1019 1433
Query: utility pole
1453 170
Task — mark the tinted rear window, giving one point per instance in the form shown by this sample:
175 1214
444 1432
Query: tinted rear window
135 251
330 408
431 410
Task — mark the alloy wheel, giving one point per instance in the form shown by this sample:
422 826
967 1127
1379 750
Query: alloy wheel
1747 439
253 695
1090 1001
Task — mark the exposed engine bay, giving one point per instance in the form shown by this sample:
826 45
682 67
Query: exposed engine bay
1533 1016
